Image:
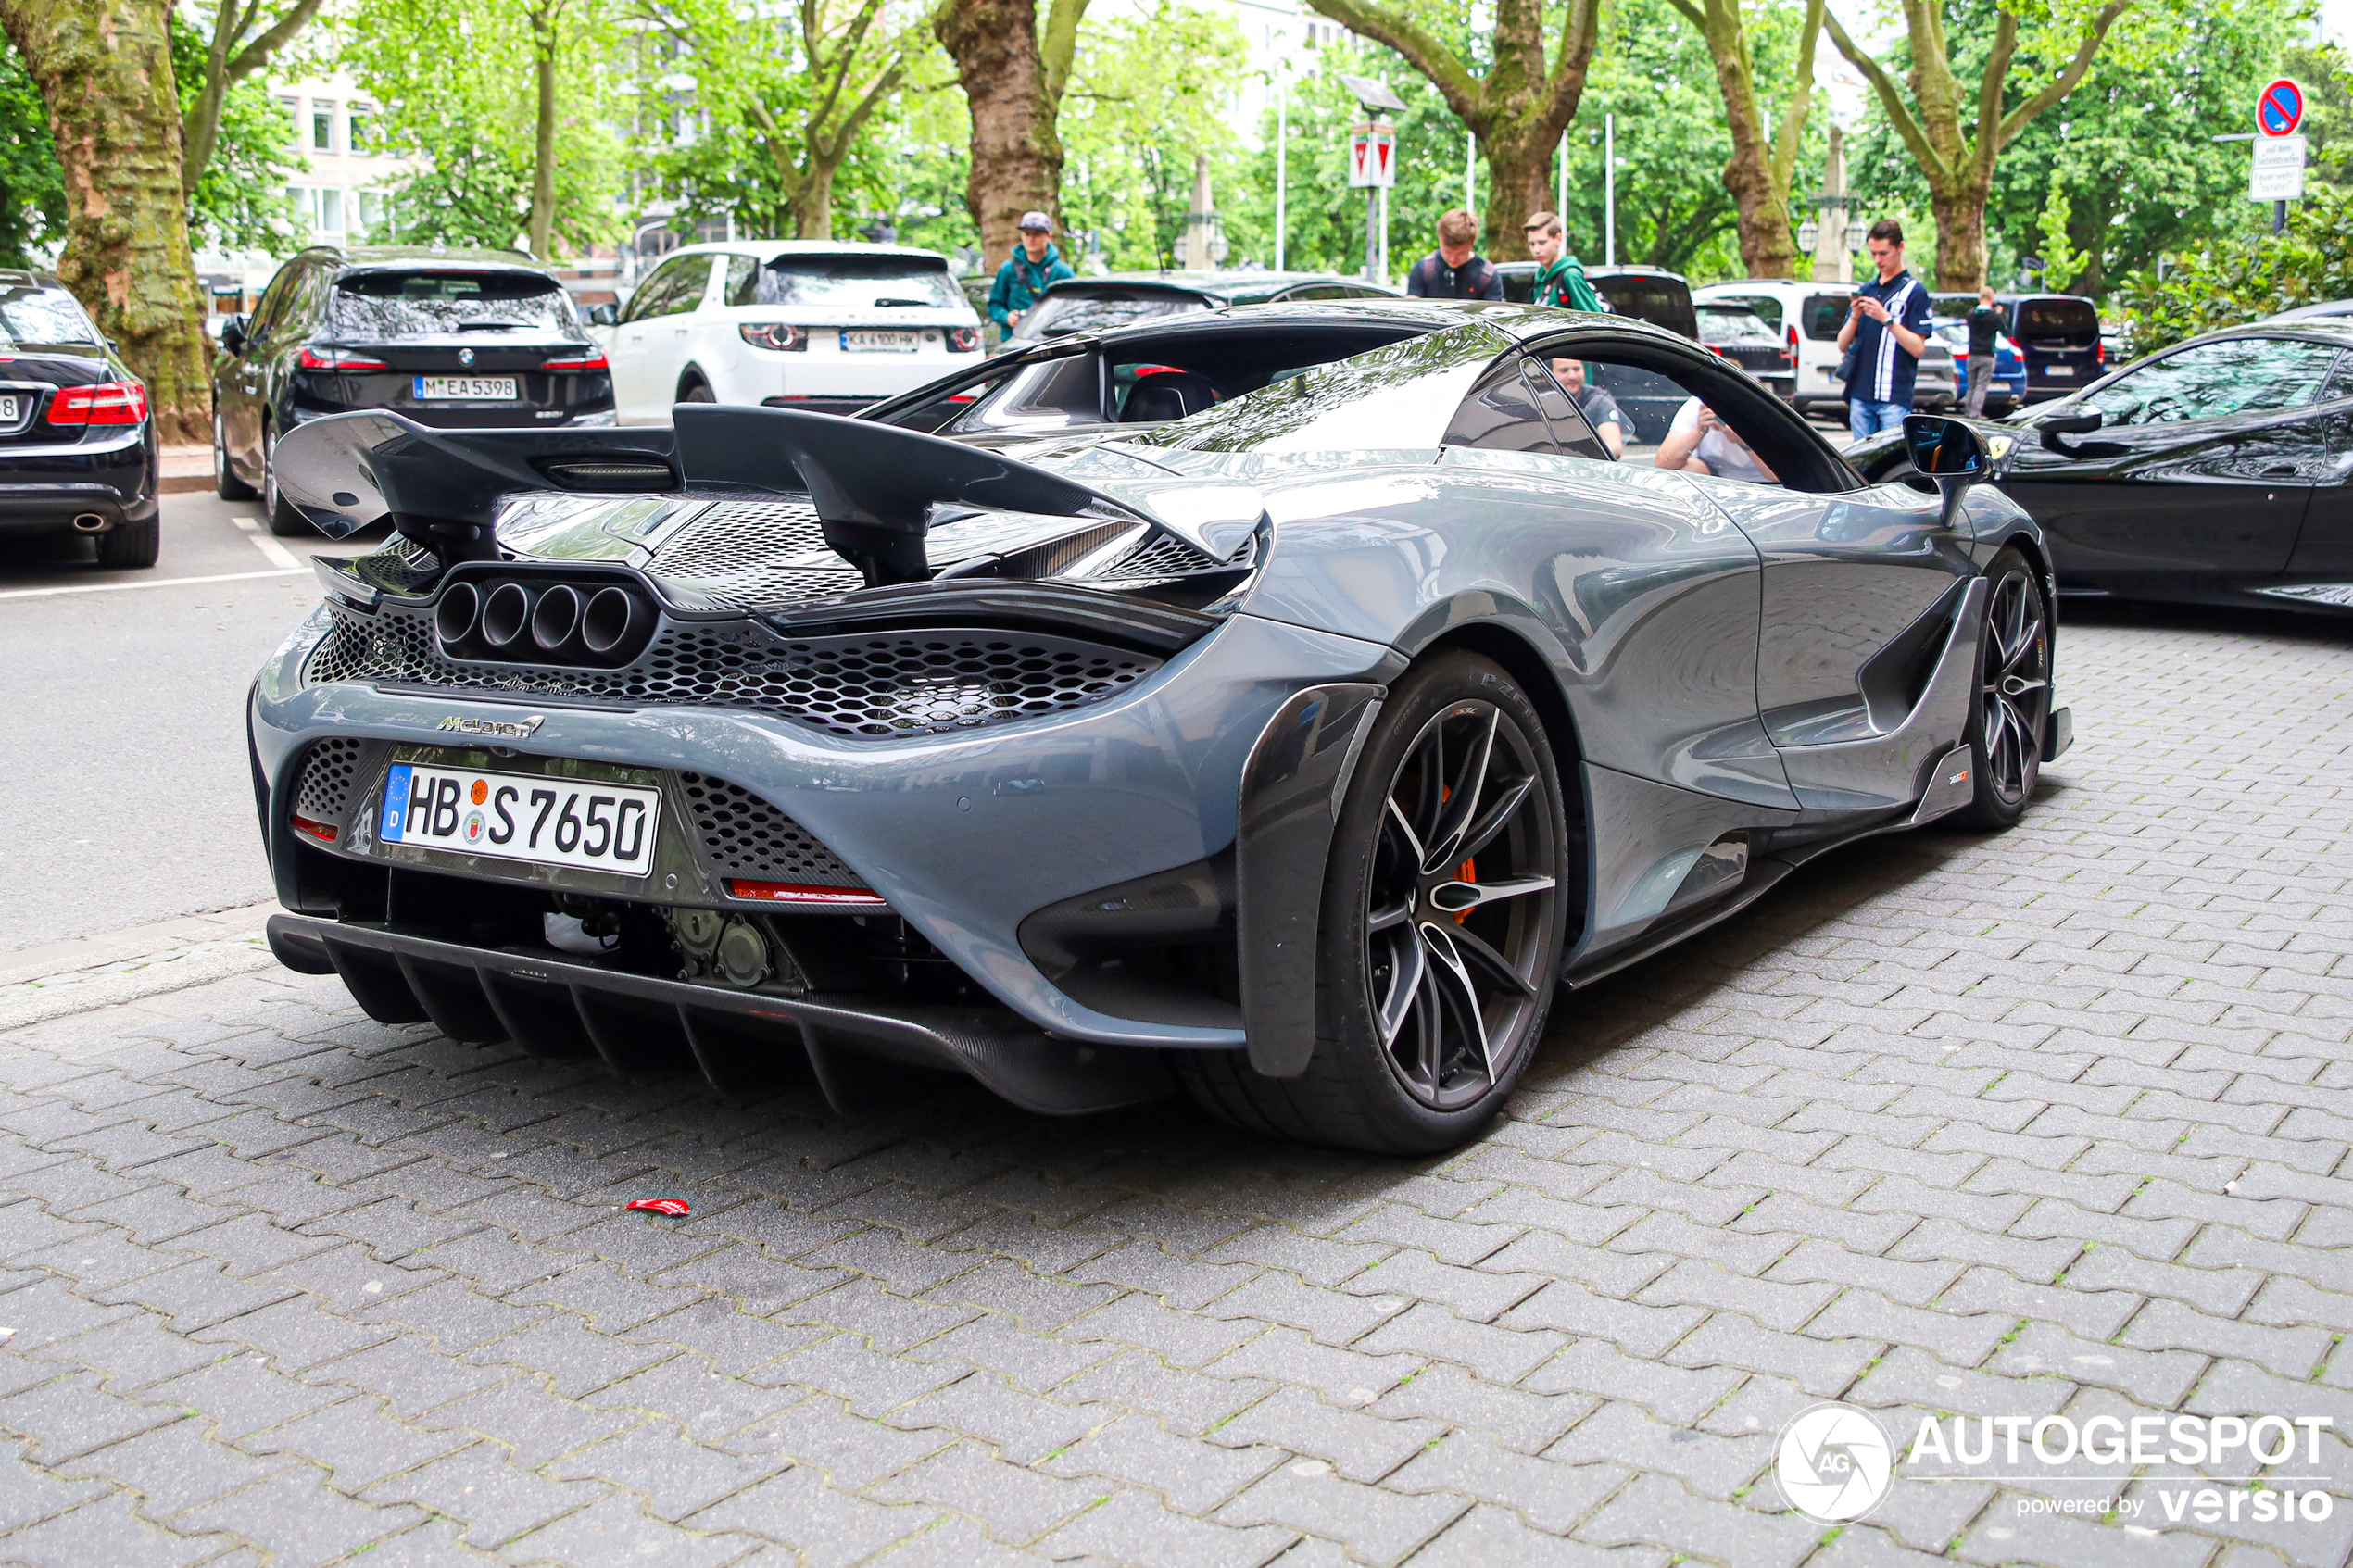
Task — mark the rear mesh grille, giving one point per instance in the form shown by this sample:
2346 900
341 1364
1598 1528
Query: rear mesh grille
876 685
329 775
745 553
746 836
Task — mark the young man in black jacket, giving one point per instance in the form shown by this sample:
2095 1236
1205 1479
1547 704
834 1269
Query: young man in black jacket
1453 271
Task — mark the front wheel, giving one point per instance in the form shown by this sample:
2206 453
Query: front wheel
2011 706
1446 900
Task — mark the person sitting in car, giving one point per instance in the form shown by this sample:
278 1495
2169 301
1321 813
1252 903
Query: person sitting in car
1599 408
1698 442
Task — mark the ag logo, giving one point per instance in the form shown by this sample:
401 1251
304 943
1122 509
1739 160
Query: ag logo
1835 1463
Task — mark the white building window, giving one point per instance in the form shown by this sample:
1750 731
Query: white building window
330 220
293 108
362 115
323 127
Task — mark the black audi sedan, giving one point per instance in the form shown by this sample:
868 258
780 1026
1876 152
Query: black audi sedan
2219 470
462 339
77 447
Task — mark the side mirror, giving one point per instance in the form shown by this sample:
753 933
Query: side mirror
603 316
1950 452
2084 423
233 333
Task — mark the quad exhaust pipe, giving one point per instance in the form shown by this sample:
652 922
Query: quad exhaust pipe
88 523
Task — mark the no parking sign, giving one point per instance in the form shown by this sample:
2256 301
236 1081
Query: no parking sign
2280 108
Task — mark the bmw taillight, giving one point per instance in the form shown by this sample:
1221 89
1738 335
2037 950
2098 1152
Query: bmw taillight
772 334
107 402
2100 349
591 361
336 359
964 340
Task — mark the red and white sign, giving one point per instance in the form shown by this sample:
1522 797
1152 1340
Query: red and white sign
1372 154
2280 108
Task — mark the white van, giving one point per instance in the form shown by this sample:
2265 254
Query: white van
792 323
1808 316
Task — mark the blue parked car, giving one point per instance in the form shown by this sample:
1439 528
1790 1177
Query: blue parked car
2009 365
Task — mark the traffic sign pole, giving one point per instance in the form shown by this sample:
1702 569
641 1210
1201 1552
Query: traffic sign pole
2278 171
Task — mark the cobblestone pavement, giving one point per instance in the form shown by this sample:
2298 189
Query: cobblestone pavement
2051 1122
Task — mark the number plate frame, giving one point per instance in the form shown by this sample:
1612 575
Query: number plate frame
914 344
613 828
442 389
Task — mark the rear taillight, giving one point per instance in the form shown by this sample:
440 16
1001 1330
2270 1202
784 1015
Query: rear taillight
578 362
338 359
2100 351
325 832
804 893
772 334
1793 342
964 340
107 402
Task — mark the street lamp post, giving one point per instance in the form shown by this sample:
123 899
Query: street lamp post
1375 98
1282 126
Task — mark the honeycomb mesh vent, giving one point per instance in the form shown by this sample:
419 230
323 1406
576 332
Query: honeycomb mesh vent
876 686
746 837
1166 555
748 553
329 775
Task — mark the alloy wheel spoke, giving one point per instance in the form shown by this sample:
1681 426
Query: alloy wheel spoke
1408 965
1475 947
1391 915
1456 897
1497 818
1462 804
1457 994
1412 841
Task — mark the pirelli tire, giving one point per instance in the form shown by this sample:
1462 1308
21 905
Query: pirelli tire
1445 906
2010 700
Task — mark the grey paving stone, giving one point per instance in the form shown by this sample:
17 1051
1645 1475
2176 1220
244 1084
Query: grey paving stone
172 1467
1193 1477
299 1520
354 1440
831 1529
496 1499
1362 1447
1377 1525
1022 1504
659 1462
614 1531
1551 1493
70 1412
1131 1526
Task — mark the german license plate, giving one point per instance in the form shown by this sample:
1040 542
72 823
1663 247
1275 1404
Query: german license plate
2058 370
462 389
11 409
544 820
867 340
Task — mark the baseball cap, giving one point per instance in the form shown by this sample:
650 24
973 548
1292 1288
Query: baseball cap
1037 220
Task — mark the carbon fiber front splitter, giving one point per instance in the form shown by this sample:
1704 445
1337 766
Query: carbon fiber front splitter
740 1041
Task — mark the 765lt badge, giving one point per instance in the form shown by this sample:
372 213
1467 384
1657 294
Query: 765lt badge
544 820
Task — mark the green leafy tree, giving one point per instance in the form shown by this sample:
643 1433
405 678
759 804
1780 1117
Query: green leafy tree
2325 72
1015 66
1758 173
1518 105
2132 149
32 188
238 200
2246 275
242 38
518 142
1962 110
103 69
804 88
1146 93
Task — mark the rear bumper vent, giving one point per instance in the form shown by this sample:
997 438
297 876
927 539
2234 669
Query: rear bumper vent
745 836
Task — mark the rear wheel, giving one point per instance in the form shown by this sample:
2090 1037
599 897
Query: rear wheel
1444 905
225 482
2011 704
276 510
129 545
696 390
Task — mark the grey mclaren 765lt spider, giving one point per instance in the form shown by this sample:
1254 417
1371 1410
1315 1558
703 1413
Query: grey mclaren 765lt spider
1282 705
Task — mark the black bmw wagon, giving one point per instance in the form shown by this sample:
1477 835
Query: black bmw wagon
463 339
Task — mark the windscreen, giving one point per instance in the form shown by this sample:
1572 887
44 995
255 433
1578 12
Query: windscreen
1400 397
38 315
1660 302
2072 321
1060 314
393 304
1722 321
858 282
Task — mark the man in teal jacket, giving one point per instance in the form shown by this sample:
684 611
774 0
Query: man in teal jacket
1027 274
1559 280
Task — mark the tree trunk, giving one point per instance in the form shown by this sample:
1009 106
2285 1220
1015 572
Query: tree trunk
104 68
1960 235
813 203
1016 155
543 145
1519 182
